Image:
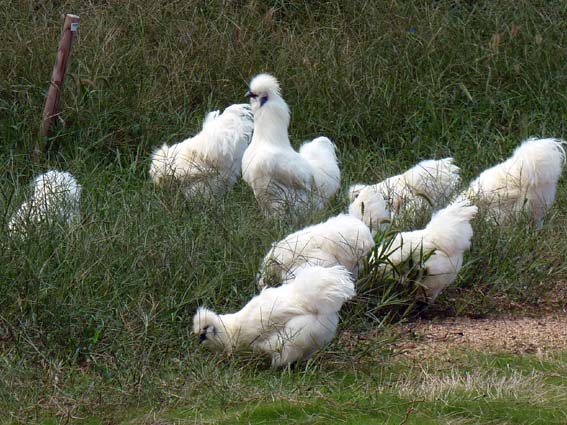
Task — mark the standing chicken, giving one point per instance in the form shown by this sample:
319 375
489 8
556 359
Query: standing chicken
209 162
442 244
289 322
280 177
527 181
341 240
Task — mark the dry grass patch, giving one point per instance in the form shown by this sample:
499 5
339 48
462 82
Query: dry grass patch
478 384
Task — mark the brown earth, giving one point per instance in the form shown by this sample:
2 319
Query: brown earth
516 335
538 327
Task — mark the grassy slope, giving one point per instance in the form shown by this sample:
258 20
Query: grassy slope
99 320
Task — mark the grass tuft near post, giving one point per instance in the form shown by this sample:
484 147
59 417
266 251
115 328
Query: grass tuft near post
51 108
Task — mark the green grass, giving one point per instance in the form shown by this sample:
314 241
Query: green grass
96 323
515 390
469 389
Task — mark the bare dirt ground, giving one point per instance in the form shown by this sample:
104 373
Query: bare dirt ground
538 329
516 335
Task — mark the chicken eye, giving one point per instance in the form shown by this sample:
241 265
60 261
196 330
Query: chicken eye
263 100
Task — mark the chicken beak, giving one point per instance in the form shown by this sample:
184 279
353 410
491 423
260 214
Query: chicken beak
202 337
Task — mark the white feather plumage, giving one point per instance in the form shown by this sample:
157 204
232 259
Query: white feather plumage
279 176
371 208
209 162
56 198
341 240
289 322
525 181
446 237
430 182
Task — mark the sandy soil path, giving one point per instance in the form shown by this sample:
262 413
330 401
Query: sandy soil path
510 335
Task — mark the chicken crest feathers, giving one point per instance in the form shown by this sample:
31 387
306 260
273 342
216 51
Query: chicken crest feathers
265 83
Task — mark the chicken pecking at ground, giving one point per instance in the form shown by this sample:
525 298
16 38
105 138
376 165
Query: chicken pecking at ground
289 323
525 182
210 162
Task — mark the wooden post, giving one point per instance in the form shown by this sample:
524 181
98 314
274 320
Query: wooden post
51 109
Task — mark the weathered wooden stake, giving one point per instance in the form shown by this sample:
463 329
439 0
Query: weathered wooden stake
51 109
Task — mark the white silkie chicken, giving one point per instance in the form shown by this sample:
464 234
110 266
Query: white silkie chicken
279 176
56 198
290 322
527 181
430 182
209 162
371 208
341 240
445 239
